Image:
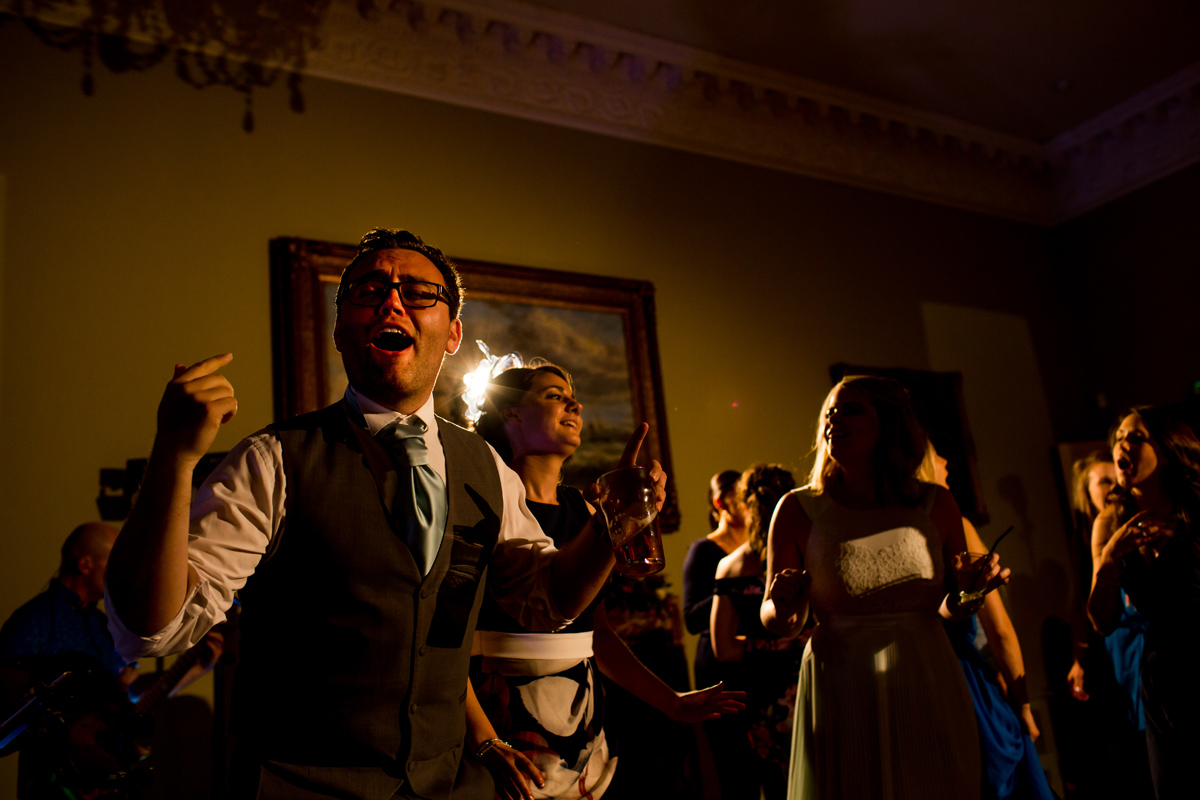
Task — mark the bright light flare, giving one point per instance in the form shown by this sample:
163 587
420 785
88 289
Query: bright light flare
478 380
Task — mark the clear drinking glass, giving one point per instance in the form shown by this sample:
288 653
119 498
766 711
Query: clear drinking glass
627 502
977 566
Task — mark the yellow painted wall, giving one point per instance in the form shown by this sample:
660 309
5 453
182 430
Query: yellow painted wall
135 235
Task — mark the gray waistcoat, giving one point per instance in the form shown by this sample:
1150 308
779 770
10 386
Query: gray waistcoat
354 667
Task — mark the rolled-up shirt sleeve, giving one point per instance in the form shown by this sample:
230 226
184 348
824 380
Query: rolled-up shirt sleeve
235 515
520 578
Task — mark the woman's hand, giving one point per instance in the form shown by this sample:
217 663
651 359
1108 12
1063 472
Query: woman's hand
789 591
1142 530
710 703
512 772
1028 725
972 576
1075 679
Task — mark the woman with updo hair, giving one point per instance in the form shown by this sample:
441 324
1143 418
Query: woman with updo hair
882 708
762 664
1146 544
727 532
542 692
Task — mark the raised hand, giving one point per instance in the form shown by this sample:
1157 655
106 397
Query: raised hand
512 772
710 703
630 456
789 591
195 404
1142 530
973 576
1075 680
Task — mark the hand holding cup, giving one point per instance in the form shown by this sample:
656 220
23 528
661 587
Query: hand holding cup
629 499
977 574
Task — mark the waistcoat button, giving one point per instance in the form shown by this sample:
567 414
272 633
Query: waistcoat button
424 650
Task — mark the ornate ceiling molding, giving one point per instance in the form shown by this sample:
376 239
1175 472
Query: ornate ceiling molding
515 59
1133 144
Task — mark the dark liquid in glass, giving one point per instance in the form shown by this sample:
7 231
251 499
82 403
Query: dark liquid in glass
638 557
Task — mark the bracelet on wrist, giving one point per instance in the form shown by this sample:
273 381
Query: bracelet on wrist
490 744
957 603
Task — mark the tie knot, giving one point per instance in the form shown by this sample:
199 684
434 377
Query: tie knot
405 441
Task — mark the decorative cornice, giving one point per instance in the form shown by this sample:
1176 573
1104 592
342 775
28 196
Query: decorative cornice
512 58
1149 136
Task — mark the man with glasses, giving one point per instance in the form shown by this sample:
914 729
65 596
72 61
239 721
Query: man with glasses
367 528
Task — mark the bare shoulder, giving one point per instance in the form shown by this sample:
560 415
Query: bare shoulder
790 526
731 565
790 516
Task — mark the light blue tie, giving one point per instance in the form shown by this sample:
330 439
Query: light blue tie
419 507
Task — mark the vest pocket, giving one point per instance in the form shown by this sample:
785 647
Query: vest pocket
458 591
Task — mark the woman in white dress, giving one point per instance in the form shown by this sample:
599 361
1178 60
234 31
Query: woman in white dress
882 709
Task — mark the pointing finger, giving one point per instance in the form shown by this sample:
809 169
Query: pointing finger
629 457
201 368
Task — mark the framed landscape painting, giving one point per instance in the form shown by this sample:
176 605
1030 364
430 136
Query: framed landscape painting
601 330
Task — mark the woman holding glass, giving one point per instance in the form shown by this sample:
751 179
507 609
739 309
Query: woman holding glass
1007 730
542 692
766 665
882 709
1146 543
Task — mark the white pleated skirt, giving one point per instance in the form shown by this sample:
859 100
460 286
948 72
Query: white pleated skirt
883 713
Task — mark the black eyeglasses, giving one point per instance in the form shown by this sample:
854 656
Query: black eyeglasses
413 294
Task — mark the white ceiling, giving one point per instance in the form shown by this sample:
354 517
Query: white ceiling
1029 68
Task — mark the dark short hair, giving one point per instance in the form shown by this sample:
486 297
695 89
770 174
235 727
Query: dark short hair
507 390
378 239
79 543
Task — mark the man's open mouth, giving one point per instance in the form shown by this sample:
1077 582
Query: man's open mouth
392 340
1124 464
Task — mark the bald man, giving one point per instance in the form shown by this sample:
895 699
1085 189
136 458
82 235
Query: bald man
62 627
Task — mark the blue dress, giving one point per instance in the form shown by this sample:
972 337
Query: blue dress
1125 646
1010 763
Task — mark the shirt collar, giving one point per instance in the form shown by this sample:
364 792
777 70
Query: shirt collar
377 415
69 596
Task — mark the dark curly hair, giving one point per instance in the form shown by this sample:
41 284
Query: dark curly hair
761 488
399 239
507 390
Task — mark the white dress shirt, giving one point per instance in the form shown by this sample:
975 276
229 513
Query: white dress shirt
240 508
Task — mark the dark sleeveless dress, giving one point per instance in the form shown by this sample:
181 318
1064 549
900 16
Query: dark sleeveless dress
1167 592
555 717
767 673
699 570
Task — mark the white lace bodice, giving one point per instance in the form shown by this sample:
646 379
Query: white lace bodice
871 561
